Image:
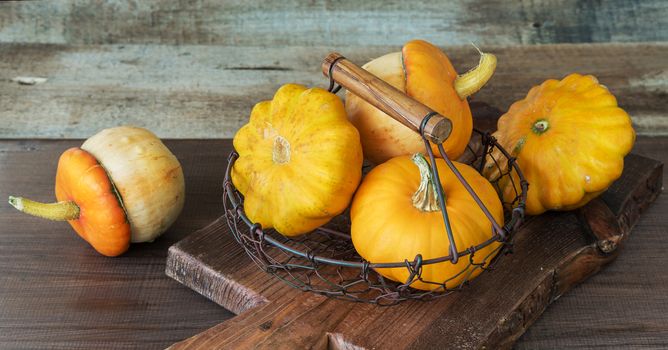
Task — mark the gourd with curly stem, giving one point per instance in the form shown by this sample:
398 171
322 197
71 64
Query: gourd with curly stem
425 73
123 185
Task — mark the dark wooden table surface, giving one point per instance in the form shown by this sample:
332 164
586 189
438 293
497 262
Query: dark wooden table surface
56 292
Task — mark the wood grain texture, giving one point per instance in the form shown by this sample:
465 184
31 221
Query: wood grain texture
553 253
208 91
332 23
56 292
624 306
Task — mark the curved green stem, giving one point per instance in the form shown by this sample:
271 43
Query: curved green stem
60 211
425 198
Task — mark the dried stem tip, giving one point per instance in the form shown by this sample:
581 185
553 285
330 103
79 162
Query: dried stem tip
470 82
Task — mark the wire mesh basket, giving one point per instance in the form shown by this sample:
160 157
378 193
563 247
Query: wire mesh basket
325 261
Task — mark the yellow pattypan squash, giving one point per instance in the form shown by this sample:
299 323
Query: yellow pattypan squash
570 139
299 162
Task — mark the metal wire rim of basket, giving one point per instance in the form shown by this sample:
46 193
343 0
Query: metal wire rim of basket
325 260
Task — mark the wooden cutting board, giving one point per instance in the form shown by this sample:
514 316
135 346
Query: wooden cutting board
552 253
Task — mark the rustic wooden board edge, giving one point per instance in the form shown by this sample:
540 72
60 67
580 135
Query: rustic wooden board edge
608 231
185 269
574 269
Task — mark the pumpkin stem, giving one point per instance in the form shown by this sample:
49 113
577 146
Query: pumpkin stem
470 82
61 211
425 198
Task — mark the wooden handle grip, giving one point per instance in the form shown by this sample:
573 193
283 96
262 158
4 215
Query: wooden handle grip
386 97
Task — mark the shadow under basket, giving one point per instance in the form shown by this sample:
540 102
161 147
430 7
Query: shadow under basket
325 261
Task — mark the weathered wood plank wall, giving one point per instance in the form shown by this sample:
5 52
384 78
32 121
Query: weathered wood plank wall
332 23
193 69
208 91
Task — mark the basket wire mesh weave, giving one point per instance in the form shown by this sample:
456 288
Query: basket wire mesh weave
325 261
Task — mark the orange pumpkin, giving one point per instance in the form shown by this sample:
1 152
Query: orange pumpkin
122 186
425 73
569 138
82 182
395 216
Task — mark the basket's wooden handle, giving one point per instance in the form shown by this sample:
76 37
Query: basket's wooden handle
385 97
